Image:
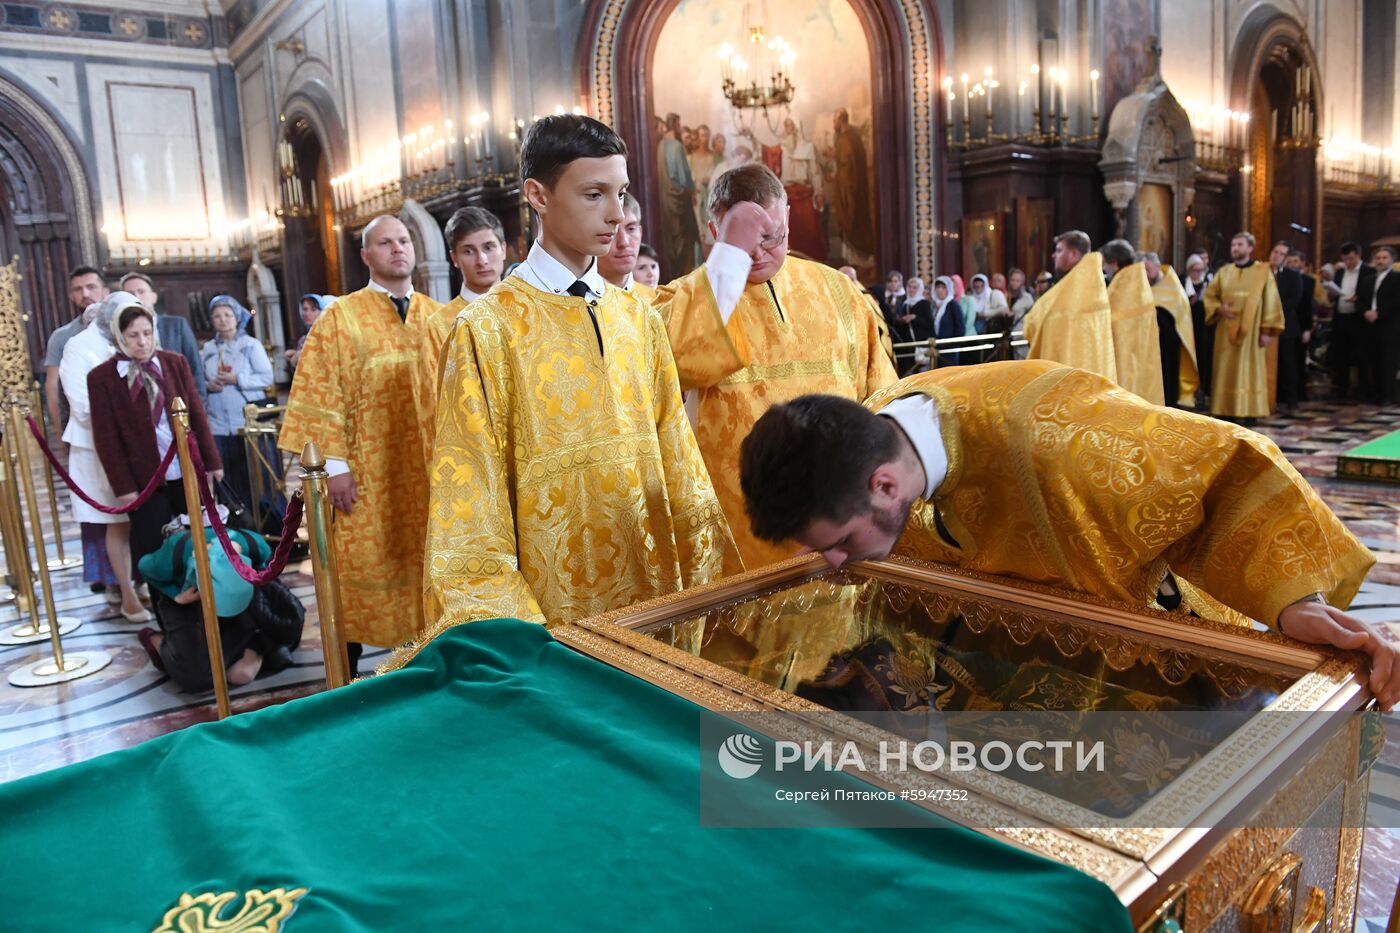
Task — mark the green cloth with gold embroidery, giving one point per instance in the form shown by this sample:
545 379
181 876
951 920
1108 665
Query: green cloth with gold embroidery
500 781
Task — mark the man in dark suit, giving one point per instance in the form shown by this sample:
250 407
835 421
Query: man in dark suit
1292 294
1307 319
1357 283
1383 315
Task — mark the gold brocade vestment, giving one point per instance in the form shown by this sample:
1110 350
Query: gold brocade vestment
564 481
1057 476
1169 293
808 329
435 333
1137 355
1240 384
645 293
1072 322
356 395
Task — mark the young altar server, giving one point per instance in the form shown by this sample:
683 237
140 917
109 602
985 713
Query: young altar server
754 326
565 480
1057 476
620 261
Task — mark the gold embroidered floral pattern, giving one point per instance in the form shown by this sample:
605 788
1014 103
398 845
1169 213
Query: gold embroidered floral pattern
262 912
826 339
1145 760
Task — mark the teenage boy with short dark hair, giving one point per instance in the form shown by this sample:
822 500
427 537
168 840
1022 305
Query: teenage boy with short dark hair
565 477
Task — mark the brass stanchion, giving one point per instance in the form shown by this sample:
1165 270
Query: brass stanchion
318 528
59 668
180 422
17 572
60 562
17 550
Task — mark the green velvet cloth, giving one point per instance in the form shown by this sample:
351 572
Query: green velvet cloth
501 781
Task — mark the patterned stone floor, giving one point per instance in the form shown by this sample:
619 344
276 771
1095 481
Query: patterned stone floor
130 701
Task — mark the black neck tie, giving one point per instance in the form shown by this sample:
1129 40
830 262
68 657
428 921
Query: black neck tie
580 290
401 305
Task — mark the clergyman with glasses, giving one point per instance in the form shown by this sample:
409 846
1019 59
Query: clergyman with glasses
754 326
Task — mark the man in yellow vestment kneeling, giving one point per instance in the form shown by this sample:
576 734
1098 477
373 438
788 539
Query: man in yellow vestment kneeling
1055 475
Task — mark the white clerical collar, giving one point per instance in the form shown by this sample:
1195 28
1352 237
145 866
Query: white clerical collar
917 417
468 295
548 274
628 282
376 287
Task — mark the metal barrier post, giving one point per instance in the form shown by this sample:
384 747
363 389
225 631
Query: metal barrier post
180 422
323 568
60 668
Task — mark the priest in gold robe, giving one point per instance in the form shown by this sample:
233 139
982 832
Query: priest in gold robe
1180 377
356 395
1242 302
1137 355
754 326
565 479
1057 476
1072 323
619 263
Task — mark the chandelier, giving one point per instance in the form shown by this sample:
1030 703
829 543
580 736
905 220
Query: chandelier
759 74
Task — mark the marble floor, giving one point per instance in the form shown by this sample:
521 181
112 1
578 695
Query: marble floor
130 701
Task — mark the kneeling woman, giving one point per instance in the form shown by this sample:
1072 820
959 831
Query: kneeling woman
129 396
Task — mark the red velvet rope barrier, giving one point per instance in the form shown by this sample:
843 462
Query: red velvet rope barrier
156 482
290 523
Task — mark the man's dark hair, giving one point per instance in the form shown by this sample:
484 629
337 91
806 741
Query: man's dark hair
1349 247
469 220
552 142
894 274
1077 240
1297 253
81 271
809 459
1118 252
1284 243
753 181
136 275
648 252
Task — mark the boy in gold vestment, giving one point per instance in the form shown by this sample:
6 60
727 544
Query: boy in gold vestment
565 480
1242 302
754 326
356 395
619 262
1055 475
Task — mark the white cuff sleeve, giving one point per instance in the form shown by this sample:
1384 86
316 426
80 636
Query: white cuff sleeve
336 467
728 270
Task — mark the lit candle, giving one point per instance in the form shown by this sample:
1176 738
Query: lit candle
988 84
1035 79
948 98
1054 106
486 135
964 87
1094 92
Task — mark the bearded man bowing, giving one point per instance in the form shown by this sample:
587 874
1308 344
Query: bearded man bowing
356 396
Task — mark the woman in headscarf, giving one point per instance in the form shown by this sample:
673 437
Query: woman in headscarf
947 317
987 310
311 307
236 372
130 396
88 349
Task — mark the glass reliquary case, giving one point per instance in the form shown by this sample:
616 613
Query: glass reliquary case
1238 768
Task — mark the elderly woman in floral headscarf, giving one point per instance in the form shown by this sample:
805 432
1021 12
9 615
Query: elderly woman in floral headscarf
130 396
106 537
236 372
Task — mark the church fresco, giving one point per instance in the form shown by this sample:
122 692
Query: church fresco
821 145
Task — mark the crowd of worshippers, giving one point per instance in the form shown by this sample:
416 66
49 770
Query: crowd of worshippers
1341 323
110 374
564 438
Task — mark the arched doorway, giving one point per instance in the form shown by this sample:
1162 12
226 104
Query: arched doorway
310 249
45 211
618 50
1277 81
